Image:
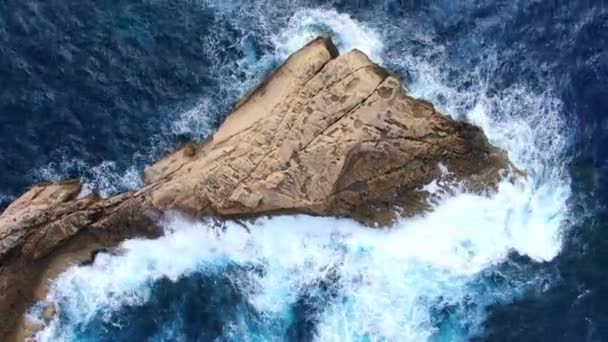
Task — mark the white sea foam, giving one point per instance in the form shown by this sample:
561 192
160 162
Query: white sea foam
389 281
389 278
346 32
104 178
194 121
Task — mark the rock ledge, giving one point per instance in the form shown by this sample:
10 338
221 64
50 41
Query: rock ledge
322 135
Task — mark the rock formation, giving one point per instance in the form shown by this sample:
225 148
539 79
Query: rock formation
322 135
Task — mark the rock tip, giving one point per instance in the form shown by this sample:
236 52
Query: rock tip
329 45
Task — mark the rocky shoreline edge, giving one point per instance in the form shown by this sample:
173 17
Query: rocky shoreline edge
324 134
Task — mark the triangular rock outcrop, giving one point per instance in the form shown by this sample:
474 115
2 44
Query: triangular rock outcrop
323 135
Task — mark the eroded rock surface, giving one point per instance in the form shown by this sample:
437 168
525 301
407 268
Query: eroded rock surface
344 140
324 135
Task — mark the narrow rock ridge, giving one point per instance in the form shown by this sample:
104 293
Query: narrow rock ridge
323 135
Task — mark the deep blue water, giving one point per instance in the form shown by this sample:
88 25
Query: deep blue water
100 89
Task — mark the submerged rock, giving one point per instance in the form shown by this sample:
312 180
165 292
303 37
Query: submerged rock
323 135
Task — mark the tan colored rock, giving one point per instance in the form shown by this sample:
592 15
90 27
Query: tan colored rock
348 141
323 135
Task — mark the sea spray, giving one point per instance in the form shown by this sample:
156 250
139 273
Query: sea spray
346 33
387 281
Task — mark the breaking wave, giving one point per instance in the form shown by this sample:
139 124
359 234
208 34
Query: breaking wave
105 178
304 278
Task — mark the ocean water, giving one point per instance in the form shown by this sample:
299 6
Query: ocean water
99 90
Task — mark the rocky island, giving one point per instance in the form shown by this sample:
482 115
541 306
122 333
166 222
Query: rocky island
324 134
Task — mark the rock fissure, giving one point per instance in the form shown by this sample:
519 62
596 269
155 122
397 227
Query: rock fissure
346 76
345 114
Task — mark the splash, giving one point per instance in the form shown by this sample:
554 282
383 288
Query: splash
346 32
104 178
195 121
429 278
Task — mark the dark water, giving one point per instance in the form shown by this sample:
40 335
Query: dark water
84 83
99 89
